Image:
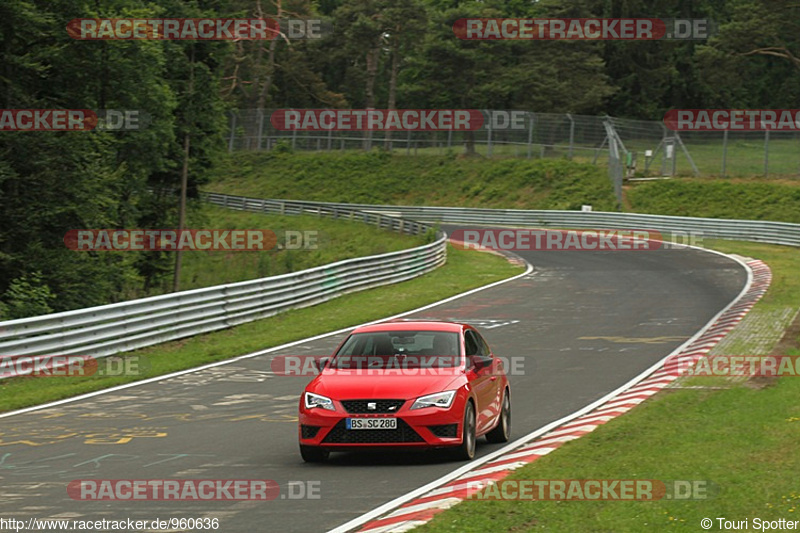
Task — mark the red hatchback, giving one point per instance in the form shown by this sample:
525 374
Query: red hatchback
406 384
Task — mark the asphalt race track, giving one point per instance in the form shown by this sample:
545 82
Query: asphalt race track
584 321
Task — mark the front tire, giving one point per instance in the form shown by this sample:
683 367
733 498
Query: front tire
502 433
313 454
466 451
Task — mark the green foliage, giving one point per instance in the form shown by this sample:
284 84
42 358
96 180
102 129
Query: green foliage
283 147
26 296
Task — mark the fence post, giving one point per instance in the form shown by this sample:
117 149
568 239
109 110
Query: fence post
724 151
233 132
766 153
489 139
260 128
530 133
571 135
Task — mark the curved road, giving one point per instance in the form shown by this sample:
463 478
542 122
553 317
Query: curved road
586 322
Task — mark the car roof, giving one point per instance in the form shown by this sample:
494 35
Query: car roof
412 325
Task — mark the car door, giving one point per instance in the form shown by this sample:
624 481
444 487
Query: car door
482 381
495 371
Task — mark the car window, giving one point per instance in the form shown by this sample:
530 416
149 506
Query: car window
483 347
435 349
470 343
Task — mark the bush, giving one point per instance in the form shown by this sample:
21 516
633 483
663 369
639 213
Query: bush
26 296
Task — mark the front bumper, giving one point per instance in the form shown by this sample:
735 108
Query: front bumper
429 427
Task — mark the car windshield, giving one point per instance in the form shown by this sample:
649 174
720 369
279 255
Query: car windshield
399 349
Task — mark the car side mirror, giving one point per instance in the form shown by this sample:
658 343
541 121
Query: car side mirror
481 361
322 363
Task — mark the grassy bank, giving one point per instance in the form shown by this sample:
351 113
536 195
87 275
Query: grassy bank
496 183
329 241
742 199
421 180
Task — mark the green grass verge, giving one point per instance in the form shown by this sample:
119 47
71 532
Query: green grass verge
464 270
742 438
335 240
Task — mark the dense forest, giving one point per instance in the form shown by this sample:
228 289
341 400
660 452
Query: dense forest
382 54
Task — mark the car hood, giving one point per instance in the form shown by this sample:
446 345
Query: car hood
389 384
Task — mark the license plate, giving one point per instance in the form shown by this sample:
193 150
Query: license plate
371 423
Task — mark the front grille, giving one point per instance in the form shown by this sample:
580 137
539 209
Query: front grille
381 406
309 432
446 430
341 435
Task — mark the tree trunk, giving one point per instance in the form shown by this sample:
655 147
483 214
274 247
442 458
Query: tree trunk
372 72
176 279
393 85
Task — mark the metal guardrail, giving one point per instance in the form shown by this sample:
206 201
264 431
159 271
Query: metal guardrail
785 233
110 329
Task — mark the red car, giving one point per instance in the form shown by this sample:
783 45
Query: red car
406 384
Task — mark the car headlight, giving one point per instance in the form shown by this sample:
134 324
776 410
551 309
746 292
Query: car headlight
315 400
440 399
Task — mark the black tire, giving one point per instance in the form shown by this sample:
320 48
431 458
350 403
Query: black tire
502 433
313 454
466 450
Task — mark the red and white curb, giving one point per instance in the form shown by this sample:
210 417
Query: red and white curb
463 482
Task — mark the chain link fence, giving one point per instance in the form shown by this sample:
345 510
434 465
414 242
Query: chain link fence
633 149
